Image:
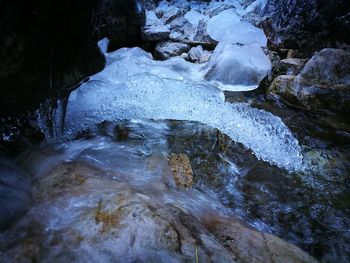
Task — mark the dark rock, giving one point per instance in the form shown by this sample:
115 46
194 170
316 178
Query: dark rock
323 83
291 66
15 188
48 47
283 86
309 25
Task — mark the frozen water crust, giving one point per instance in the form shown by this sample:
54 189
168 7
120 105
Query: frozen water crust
134 86
237 67
228 27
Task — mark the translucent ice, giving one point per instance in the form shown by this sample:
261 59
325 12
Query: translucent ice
133 86
237 66
227 26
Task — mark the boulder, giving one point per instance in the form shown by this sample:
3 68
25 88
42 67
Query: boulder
177 23
329 67
323 83
307 25
165 50
241 239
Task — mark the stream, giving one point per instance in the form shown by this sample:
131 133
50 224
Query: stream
104 176
285 172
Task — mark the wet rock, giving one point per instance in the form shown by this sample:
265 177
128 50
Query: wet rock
223 141
181 170
197 54
323 162
252 246
15 192
165 50
283 86
323 83
291 53
291 66
327 68
83 213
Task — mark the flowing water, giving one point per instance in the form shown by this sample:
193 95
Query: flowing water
309 208
283 171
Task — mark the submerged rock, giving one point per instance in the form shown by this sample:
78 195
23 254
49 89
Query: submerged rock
250 245
181 170
101 219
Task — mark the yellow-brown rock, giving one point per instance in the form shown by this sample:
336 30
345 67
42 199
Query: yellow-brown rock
181 170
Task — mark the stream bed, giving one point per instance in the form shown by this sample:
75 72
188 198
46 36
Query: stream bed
309 209
104 178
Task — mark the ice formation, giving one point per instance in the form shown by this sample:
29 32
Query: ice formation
134 86
227 26
238 67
